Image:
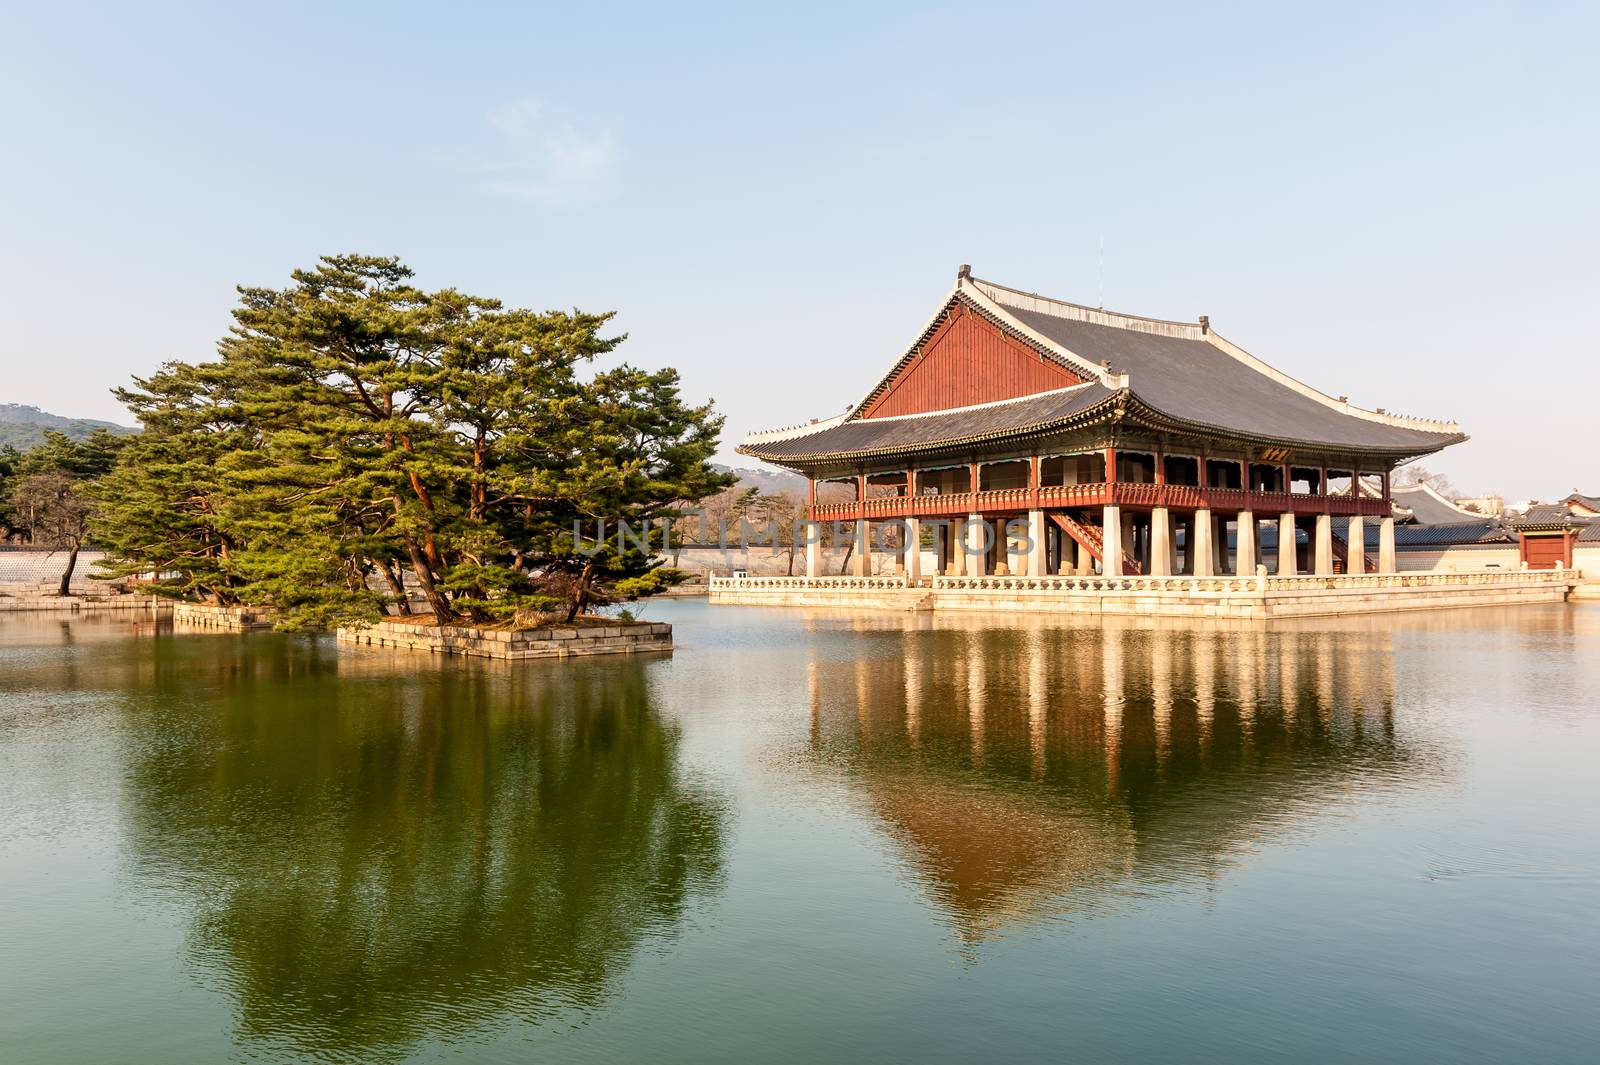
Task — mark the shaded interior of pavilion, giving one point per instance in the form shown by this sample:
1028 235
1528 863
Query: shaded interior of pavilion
1153 540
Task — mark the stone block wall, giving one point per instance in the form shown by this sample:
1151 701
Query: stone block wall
554 642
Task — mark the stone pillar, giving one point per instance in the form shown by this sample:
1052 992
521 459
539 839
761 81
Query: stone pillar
1085 560
1111 541
1323 555
973 539
1386 560
814 553
1038 545
1244 555
1356 546
1288 562
1160 542
913 550
1205 554
861 558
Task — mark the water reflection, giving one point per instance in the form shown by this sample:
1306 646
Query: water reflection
1041 770
379 851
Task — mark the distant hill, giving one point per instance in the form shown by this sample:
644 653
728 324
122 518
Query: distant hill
22 426
767 482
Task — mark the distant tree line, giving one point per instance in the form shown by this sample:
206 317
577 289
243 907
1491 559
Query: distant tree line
46 492
357 436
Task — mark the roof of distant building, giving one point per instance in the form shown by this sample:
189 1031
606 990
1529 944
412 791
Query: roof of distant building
1427 506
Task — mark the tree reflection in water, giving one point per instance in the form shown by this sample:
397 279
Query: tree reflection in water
379 850
1043 770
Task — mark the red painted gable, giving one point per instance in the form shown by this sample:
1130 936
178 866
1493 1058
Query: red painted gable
967 360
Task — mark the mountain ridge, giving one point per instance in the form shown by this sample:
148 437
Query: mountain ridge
22 425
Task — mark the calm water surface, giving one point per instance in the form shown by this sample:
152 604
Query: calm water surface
807 837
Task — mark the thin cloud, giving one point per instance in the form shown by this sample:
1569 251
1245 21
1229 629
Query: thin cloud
549 161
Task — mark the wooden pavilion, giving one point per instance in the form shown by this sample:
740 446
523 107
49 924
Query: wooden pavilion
1042 437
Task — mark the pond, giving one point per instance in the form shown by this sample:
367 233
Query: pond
806 837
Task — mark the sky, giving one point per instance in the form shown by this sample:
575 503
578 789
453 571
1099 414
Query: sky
1399 203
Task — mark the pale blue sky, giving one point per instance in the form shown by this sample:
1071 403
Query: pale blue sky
1401 205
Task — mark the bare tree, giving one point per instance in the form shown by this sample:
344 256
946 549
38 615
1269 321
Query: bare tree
57 512
1419 474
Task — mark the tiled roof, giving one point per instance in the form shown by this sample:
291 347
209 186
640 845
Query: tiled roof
1175 373
1545 516
1195 381
1447 534
1427 506
1587 502
925 432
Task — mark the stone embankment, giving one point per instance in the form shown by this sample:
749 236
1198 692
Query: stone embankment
552 642
226 618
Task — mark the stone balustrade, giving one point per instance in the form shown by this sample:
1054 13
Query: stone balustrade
1257 596
788 584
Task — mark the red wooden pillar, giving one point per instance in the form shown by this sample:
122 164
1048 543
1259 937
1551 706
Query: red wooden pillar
811 500
1322 486
1111 465
1388 503
973 474
1033 482
1288 478
911 491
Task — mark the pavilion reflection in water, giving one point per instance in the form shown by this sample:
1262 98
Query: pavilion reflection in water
1042 770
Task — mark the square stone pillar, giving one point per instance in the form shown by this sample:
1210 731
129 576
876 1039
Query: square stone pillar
861 558
1038 545
1323 555
1000 533
1244 554
1085 560
814 552
1205 552
1386 560
1160 542
973 537
1288 552
913 550
1111 541
1355 542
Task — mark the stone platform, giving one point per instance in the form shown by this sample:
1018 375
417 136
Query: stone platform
225 618
1258 597
554 642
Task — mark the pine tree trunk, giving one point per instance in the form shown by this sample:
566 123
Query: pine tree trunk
442 614
66 578
396 585
581 598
